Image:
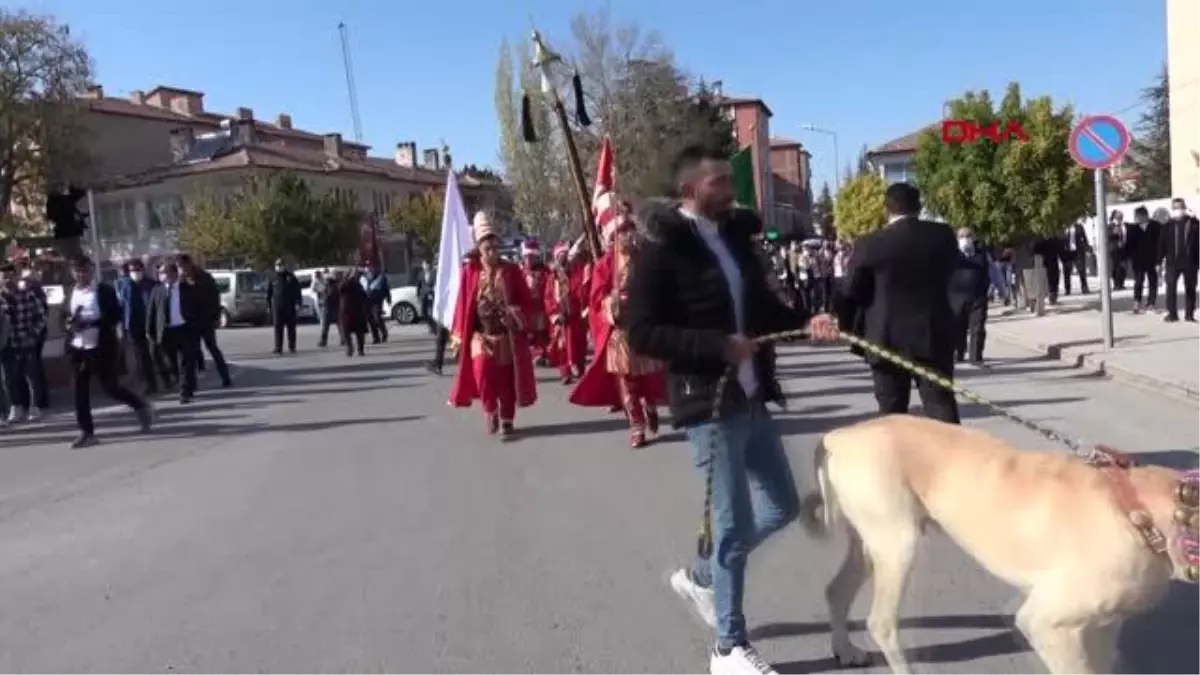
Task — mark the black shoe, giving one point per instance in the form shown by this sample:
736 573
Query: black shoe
322 345
84 441
226 383
277 352
1191 318
184 399
291 350
145 416
433 368
1171 318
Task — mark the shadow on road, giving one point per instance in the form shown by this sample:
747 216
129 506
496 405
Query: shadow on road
1180 460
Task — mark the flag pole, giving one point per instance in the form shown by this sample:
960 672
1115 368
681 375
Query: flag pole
543 60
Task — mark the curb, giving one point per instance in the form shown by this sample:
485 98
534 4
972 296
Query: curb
1098 363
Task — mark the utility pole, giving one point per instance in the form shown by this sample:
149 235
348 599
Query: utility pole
352 90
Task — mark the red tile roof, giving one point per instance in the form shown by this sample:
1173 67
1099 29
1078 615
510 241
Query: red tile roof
738 101
290 158
906 143
123 106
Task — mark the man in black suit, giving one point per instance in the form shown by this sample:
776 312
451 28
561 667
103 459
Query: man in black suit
969 297
1179 249
173 318
208 314
897 283
1074 257
283 298
94 313
1141 249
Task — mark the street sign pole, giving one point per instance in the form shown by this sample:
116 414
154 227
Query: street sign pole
1098 142
1106 316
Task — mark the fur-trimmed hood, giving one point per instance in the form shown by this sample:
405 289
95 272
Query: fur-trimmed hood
660 221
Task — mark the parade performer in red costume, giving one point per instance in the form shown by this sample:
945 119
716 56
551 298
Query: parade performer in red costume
490 323
618 377
566 300
536 276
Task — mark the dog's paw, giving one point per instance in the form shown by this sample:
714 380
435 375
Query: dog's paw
849 656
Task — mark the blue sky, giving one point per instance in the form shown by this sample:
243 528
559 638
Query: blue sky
871 70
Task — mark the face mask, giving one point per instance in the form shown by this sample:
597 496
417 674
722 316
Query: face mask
965 244
1178 213
278 269
21 284
136 276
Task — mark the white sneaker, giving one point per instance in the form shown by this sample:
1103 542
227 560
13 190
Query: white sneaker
35 414
16 414
739 661
700 598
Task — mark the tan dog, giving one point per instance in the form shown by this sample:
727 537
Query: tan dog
1046 522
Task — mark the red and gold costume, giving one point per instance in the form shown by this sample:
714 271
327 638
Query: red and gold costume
537 274
490 320
566 299
618 376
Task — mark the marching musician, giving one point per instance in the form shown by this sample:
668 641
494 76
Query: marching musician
618 377
490 322
565 303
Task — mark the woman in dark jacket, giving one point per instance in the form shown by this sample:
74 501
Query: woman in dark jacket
352 314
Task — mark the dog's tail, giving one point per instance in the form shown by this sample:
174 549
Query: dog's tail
818 510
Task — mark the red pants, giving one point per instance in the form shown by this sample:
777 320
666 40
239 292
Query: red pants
497 387
634 401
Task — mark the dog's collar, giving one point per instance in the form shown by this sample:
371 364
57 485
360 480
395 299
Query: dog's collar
1187 522
1114 464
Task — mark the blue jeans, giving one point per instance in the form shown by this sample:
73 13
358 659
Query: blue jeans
754 496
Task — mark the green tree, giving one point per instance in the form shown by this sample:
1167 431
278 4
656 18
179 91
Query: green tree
1009 190
43 73
1150 152
274 217
860 208
823 213
420 218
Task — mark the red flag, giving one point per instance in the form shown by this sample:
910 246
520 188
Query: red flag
604 198
368 242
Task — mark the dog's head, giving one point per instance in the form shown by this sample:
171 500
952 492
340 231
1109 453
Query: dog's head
1185 552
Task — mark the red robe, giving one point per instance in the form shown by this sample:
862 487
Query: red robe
465 389
598 387
568 342
595 317
536 278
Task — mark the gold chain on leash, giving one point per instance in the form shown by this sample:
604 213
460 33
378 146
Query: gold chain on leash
704 544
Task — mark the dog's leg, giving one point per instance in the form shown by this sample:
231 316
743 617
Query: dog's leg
891 551
1100 643
840 594
1056 636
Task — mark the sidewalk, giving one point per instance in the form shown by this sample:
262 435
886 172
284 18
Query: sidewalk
1146 350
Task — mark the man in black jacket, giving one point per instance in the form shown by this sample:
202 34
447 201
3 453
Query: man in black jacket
283 297
968 297
207 314
898 280
1141 246
94 313
174 317
698 297
1179 249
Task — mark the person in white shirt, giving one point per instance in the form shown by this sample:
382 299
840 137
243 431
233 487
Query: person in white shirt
94 313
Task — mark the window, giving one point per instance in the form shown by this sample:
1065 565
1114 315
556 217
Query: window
897 173
251 282
223 284
304 281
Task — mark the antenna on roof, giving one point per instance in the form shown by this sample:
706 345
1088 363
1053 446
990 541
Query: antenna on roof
350 88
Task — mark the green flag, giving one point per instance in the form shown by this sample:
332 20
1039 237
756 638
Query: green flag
743 178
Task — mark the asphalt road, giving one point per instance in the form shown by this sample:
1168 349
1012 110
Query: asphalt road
334 515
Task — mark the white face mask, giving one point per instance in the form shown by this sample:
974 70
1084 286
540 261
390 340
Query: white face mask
136 276
965 244
1178 213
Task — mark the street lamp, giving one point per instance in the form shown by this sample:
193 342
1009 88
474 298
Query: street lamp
837 167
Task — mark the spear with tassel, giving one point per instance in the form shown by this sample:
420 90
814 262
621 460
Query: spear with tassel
546 60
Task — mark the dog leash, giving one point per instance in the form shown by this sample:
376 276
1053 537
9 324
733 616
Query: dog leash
1089 453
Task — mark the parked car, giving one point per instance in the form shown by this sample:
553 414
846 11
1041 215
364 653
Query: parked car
404 305
308 299
243 296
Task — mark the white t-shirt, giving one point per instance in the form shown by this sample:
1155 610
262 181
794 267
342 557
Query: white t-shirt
711 234
85 305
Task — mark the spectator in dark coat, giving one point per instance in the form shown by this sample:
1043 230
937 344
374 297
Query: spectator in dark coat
968 298
352 315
